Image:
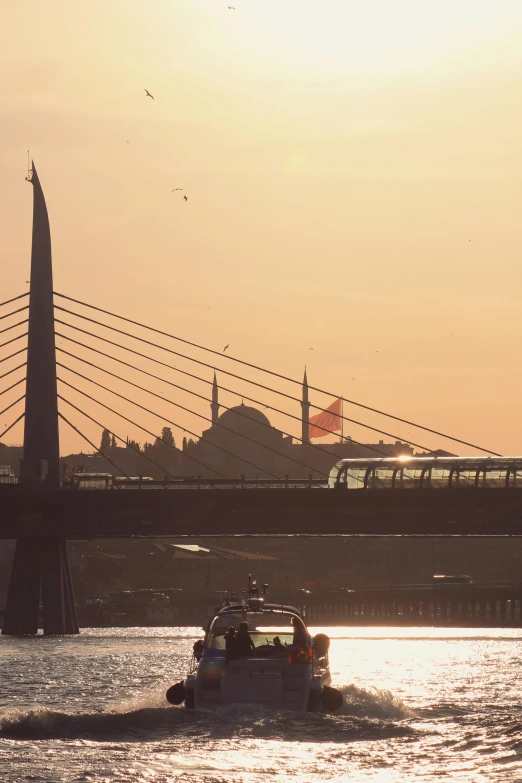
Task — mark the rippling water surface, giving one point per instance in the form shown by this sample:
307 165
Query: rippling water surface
420 705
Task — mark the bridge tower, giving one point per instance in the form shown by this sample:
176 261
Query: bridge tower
40 565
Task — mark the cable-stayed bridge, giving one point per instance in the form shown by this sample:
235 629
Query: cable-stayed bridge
83 365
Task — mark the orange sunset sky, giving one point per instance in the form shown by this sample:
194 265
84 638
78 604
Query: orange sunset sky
338 157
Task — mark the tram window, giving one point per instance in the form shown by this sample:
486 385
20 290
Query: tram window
439 478
408 478
382 478
354 478
465 477
495 478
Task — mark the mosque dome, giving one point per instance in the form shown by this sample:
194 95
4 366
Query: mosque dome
243 418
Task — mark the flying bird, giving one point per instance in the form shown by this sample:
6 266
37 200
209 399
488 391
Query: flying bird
172 191
231 8
186 198
147 94
226 346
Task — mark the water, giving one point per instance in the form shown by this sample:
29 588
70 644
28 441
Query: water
420 705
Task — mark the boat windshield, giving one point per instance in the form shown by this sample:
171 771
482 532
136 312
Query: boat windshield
265 641
255 620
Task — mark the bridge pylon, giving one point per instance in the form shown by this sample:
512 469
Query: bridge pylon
40 566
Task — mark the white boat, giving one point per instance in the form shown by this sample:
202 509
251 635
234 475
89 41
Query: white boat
283 668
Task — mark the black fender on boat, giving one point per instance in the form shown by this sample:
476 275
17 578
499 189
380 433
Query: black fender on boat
176 693
331 698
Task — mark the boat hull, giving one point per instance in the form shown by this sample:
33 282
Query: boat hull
265 683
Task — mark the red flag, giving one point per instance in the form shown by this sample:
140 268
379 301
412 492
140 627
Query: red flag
329 420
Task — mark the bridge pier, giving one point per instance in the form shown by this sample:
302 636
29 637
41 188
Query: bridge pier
40 568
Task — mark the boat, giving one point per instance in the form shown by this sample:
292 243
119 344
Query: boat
284 668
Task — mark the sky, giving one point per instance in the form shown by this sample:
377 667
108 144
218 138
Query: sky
354 182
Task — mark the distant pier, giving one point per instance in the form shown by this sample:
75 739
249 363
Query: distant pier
464 605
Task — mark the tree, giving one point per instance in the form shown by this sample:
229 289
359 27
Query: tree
167 437
133 444
105 440
113 442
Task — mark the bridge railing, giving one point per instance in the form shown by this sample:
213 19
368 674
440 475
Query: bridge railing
84 481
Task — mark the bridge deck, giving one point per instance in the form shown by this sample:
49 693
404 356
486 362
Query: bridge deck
217 512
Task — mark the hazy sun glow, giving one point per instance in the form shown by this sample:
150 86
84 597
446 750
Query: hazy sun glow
374 36
353 179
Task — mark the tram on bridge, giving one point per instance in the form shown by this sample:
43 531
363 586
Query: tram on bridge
427 473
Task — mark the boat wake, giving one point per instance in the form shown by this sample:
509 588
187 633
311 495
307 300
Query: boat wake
364 715
373 703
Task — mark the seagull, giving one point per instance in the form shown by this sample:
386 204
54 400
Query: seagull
186 198
172 191
231 8
147 94
226 346
310 349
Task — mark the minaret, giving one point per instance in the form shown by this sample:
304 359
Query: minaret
214 407
305 408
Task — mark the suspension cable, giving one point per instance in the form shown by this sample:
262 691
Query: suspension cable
204 380
13 370
140 427
91 444
20 310
164 418
14 339
255 367
13 326
14 299
129 446
12 425
206 399
13 354
12 387
282 394
188 410
12 404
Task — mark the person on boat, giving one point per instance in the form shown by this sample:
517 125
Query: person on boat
245 647
301 638
230 644
279 648
278 644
